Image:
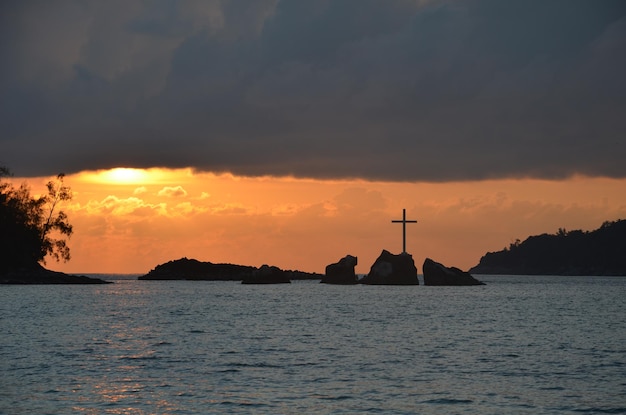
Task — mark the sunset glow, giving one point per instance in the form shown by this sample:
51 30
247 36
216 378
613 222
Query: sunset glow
296 134
131 221
125 176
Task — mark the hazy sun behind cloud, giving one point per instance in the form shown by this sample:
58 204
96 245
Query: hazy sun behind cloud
123 176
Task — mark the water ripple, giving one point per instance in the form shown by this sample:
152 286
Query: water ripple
185 348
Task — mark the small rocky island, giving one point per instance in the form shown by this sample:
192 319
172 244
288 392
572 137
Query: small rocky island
598 252
192 269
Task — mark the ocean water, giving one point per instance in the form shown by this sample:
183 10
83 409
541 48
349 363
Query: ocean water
518 345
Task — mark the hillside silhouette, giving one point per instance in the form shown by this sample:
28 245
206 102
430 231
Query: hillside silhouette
598 252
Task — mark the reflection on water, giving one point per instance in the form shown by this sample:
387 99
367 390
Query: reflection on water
516 345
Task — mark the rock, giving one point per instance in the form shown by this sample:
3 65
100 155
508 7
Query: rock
302 275
341 272
267 275
36 274
390 269
438 274
192 269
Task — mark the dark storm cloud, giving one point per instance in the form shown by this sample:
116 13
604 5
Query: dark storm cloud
398 90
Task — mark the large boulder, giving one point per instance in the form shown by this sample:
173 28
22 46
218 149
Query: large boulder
341 272
438 274
267 275
390 269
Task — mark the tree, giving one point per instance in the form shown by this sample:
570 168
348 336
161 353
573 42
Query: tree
57 193
27 223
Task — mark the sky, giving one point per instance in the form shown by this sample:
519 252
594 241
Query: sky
293 132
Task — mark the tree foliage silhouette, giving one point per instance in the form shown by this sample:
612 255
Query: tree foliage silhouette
32 228
577 252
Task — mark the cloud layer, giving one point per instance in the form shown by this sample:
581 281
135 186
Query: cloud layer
400 90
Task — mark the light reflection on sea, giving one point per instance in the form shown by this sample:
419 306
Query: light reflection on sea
532 345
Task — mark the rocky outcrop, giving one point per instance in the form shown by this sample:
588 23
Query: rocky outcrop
191 269
294 275
36 274
390 269
438 274
267 275
341 272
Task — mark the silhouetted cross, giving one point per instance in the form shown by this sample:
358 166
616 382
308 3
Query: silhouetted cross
404 222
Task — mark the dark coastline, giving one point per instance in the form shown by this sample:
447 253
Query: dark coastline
567 253
36 274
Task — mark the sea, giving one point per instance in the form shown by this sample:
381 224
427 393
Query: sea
517 345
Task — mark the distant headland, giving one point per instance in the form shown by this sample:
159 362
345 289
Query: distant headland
598 252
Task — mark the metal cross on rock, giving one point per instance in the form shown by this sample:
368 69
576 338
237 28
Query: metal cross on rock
404 222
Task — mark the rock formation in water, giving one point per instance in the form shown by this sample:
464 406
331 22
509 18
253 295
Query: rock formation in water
390 269
341 272
267 275
191 269
598 252
438 274
302 275
36 274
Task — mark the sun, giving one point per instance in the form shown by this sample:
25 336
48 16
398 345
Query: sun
128 176
123 175
119 176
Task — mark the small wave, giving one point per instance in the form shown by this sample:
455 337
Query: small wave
601 410
255 365
336 398
301 364
245 404
140 357
275 350
553 388
512 355
448 401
